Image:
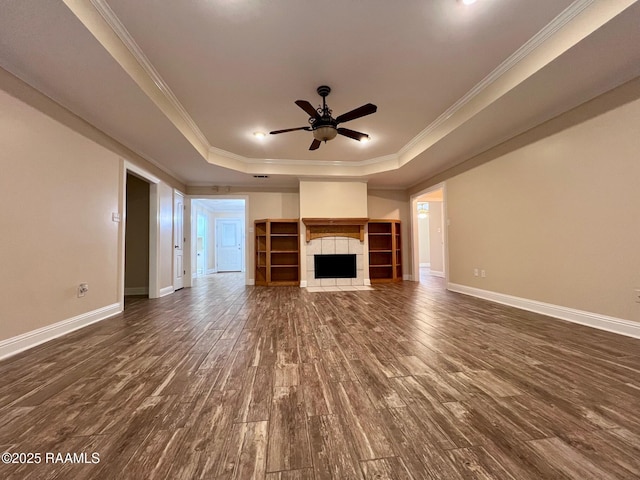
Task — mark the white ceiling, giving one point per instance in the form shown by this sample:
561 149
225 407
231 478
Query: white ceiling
186 83
220 205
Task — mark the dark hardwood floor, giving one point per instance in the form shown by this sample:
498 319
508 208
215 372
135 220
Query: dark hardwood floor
408 381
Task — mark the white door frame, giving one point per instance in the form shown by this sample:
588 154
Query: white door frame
248 230
154 228
242 234
415 252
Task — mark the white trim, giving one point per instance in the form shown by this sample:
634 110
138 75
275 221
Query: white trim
12 346
250 281
407 277
210 271
136 291
140 172
303 284
425 265
367 282
590 319
436 273
166 291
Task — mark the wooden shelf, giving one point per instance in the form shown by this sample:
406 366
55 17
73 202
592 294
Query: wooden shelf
277 257
335 227
385 253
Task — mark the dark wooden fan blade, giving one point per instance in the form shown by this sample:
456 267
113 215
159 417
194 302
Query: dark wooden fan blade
362 111
307 107
352 134
275 132
315 144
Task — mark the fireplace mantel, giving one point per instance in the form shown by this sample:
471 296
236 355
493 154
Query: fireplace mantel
335 227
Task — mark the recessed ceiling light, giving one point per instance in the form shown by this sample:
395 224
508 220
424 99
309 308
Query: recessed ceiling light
259 134
468 2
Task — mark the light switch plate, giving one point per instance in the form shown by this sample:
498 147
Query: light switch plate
115 216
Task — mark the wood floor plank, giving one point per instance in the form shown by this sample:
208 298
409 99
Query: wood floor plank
288 435
332 454
392 468
246 452
362 421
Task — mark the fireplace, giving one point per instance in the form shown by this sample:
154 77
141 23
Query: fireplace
335 266
340 240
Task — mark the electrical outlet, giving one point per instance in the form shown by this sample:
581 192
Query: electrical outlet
483 274
83 288
475 272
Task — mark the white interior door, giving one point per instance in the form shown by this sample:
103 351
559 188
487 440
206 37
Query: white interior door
178 241
229 244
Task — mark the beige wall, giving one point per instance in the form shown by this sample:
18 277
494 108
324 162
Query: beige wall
333 199
137 234
61 179
393 204
59 190
556 220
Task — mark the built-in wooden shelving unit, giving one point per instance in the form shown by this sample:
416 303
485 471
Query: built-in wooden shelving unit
277 252
385 251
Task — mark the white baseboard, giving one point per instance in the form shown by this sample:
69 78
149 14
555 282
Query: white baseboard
367 282
136 291
166 291
251 281
590 319
25 341
303 284
211 271
407 277
435 273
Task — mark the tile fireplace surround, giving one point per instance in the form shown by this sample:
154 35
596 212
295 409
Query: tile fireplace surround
328 236
335 245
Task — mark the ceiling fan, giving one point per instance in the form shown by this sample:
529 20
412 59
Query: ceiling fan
323 125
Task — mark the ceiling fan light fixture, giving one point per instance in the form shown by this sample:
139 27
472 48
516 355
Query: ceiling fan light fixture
259 135
325 133
366 139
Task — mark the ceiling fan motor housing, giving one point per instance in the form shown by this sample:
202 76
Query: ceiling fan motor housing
323 90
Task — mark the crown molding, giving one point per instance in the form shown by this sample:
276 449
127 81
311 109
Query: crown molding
125 37
322 163
572 11
414 147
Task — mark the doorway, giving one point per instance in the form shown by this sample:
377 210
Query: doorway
229 244
136 256
428 216
218 235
